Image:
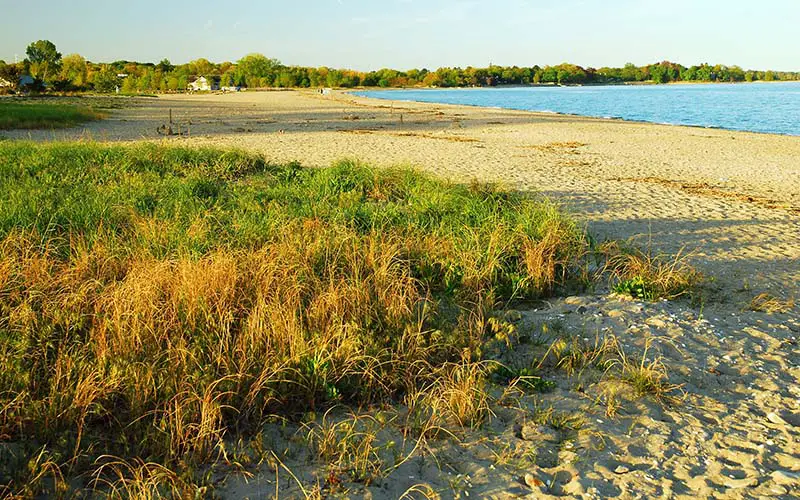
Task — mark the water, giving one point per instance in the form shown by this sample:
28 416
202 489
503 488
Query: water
758 107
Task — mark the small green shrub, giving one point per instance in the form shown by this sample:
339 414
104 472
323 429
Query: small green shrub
637 288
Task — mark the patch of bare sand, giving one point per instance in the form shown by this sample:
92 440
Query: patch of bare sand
731 198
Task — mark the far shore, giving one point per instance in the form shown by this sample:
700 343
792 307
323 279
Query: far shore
555 85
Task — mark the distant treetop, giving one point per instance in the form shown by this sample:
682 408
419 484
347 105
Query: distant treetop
257 70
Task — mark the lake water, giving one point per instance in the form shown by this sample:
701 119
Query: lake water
758 107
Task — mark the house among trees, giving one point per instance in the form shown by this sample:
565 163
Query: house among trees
26 81
204 84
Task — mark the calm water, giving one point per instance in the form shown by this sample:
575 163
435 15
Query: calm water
760 107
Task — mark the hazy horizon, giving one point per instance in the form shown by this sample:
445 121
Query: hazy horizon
404 34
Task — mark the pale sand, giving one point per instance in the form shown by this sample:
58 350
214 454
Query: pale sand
731 198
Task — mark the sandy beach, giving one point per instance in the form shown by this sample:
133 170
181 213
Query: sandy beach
729 199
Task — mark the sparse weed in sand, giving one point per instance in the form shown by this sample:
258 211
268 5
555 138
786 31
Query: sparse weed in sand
420 491
573 354
120 479
349 446
612 393
767 303
456 397
648 377
559 420
526 378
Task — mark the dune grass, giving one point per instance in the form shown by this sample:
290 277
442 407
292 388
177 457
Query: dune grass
43 115
646 276
156 300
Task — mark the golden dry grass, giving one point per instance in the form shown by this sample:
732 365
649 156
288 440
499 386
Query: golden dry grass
647 276
765 302
162 309
156 302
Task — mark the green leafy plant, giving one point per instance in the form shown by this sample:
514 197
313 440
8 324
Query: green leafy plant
637 288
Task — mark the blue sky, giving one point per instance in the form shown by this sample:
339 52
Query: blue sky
370 34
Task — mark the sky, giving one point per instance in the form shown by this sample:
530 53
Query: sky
404 34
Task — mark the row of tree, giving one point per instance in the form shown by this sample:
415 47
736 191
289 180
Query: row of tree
73 72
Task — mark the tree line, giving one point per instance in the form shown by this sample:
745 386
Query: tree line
74 73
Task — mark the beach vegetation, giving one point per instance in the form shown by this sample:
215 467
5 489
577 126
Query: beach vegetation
573 354
768 303
648 376
349 446
156 301
35 114
559 420
644 275
159 303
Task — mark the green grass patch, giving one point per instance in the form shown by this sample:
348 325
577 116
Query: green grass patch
155 300
30 114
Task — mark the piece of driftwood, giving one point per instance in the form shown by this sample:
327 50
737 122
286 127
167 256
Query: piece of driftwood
173 128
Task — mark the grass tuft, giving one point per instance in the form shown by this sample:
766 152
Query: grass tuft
648 377
646 276
349 446
767 303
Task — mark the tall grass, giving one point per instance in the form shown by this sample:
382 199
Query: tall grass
154 300
32 115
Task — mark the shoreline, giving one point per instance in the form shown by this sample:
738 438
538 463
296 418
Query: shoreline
558 113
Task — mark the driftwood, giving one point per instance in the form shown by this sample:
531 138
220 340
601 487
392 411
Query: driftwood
168 130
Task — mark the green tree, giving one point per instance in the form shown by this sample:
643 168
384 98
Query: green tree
44 59
129 84
9 72
74 70
201 67
659 74
145 83
257 66
631 73
228 78
736 74
173 83
165 66
106 80
704 73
